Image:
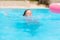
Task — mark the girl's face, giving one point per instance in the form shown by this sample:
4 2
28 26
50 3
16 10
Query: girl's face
28 13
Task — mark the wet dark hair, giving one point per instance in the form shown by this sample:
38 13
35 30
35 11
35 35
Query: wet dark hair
45 2
25 12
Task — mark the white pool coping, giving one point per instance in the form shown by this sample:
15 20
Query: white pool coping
22 8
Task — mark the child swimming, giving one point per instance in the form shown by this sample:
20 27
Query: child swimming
31 24
28 15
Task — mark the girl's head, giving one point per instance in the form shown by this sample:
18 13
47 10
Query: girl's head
44 2
27 13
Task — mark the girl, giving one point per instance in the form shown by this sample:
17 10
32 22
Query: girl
31 26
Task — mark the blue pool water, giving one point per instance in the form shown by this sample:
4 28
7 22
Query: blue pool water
44 26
